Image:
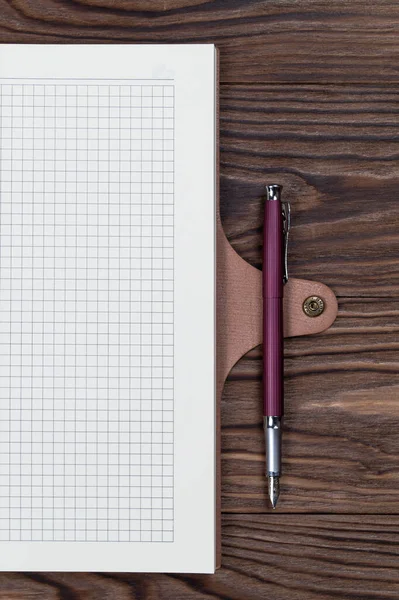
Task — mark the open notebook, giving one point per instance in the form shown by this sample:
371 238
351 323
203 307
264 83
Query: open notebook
107 293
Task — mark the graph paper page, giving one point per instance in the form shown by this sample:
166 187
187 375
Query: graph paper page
107 430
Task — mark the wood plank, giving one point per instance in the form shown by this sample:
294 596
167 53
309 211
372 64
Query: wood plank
17 586
335 150
342 416
316 557
69 586
284 557
260 40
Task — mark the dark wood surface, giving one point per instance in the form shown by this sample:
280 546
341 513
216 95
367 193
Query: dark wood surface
319 41
341 444
309 98
335 149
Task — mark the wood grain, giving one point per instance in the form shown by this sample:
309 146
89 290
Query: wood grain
342 415
335 150
310 557
260 40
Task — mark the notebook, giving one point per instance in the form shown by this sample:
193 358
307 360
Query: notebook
107 308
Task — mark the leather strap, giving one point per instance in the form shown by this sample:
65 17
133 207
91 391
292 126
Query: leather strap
239 307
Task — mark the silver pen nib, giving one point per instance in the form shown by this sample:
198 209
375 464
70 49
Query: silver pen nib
273 483
272 426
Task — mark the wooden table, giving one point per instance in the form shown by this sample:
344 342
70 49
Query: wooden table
309 98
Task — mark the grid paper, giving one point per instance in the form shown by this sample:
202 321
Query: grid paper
86 310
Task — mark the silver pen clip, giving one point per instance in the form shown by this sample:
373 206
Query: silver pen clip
286 212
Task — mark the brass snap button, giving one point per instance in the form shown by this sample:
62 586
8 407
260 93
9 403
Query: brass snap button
313 306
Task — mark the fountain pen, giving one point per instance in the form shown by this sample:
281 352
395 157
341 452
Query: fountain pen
274 276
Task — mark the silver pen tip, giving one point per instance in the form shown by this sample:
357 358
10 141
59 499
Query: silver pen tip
273 489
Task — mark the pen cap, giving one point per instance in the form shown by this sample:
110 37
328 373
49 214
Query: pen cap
273 244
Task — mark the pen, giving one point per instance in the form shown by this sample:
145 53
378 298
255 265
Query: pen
276 226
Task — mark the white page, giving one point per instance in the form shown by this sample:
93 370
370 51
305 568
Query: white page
107 407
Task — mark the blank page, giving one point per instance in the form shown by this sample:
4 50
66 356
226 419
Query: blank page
107 192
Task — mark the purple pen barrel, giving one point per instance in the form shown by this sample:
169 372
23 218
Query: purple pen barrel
273 304
273 358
